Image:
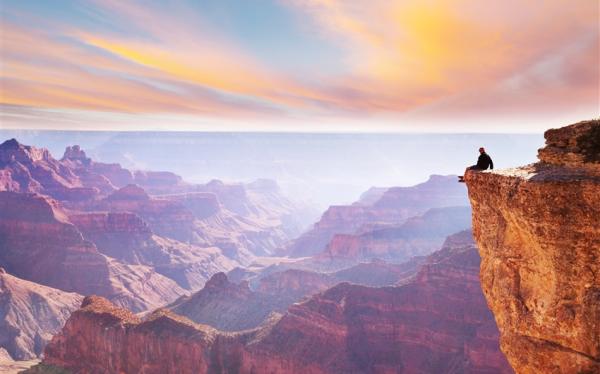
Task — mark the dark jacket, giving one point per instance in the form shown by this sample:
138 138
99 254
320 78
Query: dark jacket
484 161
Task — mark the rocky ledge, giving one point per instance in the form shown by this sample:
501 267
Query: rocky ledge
538 233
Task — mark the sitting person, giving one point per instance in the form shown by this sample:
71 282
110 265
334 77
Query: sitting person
483 162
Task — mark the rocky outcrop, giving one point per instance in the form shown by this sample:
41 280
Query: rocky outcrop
379 207
31 169
30 314
38 243
436 323
101 338
538 231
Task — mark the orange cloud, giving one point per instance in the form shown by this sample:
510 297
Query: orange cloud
411 53
425 57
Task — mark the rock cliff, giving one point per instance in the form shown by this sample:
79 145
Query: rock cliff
538 231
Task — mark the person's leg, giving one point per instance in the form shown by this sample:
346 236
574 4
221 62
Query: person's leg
461 178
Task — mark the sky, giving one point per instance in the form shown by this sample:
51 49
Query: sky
299 65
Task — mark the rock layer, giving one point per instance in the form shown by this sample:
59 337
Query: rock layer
30 314
538 231
417 236
376 207
38 243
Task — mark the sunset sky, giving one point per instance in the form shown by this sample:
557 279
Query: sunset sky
299 65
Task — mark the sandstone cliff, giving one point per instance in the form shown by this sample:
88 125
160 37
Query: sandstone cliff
538 231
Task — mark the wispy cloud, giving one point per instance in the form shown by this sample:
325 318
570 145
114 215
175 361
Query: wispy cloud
402 60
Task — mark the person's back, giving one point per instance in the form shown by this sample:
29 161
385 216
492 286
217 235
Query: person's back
484 161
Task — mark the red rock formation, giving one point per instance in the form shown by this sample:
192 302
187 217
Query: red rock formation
256 219
31 169
158 181
127 238
538 230
418 236
229 306
294 284
436 323
40 244
393 207
378 273
165 217
113 340
30 314
440 323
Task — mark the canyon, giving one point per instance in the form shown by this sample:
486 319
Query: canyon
538 231
106 269
390 206
438 319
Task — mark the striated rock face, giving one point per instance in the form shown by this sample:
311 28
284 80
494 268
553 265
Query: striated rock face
418 236
201 204
437 322
377 207
101 338
165 217
229 306
127 238
538 230
31 169
30 314
39 244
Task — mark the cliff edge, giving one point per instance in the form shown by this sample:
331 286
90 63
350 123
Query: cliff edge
538 233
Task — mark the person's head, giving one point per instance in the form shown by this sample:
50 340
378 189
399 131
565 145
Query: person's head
481 150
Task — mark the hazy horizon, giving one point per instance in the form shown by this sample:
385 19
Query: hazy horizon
327 169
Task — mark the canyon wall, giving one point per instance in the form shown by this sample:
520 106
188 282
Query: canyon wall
30 314
378 207
38 243
538 233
